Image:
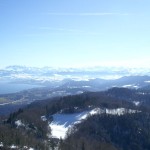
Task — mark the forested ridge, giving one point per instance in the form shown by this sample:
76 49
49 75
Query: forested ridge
97 132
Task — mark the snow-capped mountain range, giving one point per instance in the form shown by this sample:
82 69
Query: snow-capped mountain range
49 74
72 80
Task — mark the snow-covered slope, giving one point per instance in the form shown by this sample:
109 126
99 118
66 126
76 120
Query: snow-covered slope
62 122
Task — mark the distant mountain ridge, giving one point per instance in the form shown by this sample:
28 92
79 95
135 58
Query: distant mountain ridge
72 87
49 74
53 82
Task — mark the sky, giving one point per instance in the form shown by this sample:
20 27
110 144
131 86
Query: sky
74 33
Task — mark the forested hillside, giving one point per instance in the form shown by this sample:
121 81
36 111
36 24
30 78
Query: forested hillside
99 132
30 126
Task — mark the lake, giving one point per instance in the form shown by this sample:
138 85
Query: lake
6 88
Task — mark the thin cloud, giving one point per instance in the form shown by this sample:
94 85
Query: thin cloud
87 14
102 14
60 29
71 31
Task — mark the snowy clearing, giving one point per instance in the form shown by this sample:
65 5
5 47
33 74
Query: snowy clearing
62 122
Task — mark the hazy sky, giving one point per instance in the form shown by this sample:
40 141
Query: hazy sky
69 33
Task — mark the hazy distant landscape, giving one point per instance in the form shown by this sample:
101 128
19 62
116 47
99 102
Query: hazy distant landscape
13 88
21 86
21 77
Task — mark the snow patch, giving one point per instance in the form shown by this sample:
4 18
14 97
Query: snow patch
31 148
25 147
62 122
43 118
96 111
13 146
136 103
130 86
147 81
19 123
86 86
1 144
58 131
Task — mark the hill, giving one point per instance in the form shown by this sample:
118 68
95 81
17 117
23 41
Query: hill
106 120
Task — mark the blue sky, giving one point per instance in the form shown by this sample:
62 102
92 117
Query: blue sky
74 33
